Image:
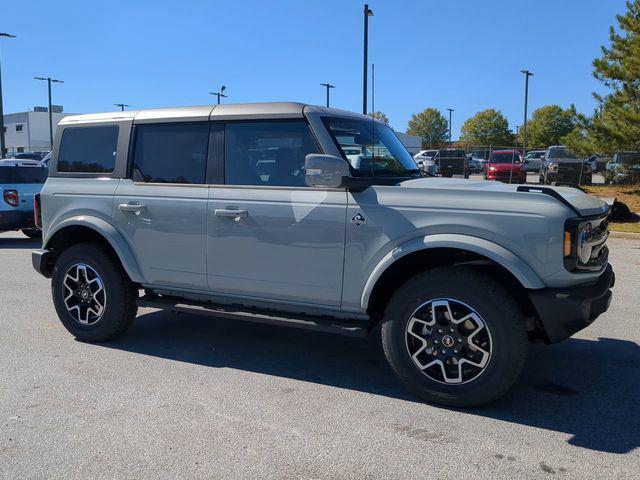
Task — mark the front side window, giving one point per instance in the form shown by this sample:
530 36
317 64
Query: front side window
88 149
170 153
267 153
372 149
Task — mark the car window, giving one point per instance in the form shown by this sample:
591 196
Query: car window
170 153
88 149
22 175
267 153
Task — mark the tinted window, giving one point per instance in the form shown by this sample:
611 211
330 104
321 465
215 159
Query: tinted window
88 149
171 153
23 174
267 153
371 148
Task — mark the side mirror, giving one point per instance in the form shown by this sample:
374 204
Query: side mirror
325 171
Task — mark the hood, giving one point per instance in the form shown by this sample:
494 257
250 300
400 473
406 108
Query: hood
585 204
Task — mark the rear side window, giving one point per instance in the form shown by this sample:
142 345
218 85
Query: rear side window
88 149
267 153
170 153
22 175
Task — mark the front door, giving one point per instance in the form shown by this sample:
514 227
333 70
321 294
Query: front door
161 209
269 236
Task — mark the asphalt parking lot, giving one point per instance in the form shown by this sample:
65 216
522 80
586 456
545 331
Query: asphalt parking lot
184 396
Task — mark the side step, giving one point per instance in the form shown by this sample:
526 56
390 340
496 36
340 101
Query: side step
350 328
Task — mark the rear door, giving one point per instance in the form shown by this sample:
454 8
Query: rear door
161 206
270 236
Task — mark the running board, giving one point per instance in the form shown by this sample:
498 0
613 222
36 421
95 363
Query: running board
350 328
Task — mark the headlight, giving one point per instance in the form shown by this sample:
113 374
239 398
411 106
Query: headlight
492 169
585 244
553 167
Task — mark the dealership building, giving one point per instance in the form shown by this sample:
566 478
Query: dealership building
29 131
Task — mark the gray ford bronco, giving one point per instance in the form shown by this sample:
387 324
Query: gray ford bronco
316 218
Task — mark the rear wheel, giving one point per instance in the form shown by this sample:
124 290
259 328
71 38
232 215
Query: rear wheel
32 232
452 344
94 298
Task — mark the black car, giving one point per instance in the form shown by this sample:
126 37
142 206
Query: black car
563 167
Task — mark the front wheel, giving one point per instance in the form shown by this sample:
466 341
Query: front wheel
93 296
451 343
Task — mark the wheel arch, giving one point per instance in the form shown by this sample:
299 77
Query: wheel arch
82 229
420 254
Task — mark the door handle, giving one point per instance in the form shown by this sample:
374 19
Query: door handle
131 207
234 213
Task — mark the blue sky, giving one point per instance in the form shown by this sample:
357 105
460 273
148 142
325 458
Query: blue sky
464 54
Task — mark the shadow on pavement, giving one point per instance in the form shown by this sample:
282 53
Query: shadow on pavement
19 242
588 389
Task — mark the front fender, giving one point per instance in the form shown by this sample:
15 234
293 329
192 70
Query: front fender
110 233
525 274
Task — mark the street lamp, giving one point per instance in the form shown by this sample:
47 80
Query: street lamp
2 145
367 13
450 110
527 74
328 86
121 105
219 94
49 82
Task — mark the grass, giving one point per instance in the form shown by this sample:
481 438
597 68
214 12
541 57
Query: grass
628 194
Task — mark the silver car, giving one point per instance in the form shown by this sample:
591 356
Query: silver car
316 218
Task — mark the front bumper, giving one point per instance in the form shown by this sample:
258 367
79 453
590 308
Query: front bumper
15 220
565 311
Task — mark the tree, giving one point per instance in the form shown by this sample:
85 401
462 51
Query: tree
489 127
431 125
615 126
378 115
549 125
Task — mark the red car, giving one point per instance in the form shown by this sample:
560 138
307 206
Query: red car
505 166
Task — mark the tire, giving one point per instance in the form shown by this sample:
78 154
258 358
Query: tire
118 295
32 232
503 326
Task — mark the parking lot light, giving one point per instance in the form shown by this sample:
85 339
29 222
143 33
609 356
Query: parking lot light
328 86
219 94
121 105
367 13
527 74
2 144
49 82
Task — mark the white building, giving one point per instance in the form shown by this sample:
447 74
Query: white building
29 131
412 143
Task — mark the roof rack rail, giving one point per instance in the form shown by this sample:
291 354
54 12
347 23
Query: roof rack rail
548 191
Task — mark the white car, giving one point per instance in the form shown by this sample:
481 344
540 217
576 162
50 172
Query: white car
426 160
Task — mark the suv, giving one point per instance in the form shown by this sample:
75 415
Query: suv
257 212
533 160
20 180
452 161
562 167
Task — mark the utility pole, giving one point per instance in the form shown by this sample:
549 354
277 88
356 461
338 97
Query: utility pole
527 74
219 94
328 86
49 82
367 13
2 144
121 105
450 110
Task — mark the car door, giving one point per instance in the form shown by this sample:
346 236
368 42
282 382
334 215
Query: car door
271 237
161 208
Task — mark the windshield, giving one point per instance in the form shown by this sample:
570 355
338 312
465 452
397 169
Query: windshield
560 153
370 147
628 157
16 175
506 157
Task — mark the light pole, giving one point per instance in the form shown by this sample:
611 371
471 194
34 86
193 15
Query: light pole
219 94
328 86
527 74
450 110
121 105
2 145
49 82
367 13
